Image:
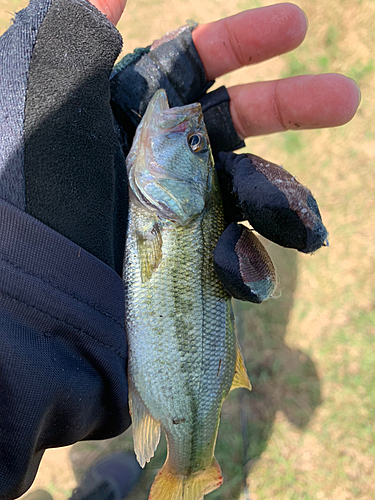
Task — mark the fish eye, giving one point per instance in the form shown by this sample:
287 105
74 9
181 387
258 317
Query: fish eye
197 142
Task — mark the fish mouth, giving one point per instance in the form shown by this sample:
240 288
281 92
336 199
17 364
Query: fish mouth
155 182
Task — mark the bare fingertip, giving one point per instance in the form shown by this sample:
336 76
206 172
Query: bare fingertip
353 96
301 13
300 18
111 9
305 18
342 96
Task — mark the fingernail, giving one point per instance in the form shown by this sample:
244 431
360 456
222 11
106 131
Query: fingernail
306 19
359 92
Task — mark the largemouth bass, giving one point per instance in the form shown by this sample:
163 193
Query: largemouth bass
183 353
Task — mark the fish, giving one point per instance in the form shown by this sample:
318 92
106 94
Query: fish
184 356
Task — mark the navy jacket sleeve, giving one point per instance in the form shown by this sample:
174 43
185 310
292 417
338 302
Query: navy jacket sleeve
62 347
62 212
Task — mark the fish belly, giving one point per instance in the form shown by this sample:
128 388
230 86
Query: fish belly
182 346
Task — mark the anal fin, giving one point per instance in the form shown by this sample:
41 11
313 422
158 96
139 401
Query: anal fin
241 378
146 430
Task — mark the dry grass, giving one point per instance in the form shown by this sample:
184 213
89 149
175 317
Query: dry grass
307 430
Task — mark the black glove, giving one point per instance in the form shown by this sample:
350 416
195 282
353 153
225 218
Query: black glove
266 195
277 206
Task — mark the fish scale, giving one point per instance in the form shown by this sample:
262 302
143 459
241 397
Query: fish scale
183 352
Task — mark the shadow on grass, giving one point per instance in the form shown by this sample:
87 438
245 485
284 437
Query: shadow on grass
283 379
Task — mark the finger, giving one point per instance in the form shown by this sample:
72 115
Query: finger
112 9
249 37
272 200
243 265
300 102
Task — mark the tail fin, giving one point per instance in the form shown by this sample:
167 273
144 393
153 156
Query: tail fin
169 486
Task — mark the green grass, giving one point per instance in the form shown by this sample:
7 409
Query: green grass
306 432
361 70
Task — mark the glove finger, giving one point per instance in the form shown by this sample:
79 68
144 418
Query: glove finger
218 120
243 265
272 200
172 64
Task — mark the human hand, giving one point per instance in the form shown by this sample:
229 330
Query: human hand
262 108
252 36
301 102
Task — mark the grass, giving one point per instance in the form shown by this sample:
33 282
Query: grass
307 429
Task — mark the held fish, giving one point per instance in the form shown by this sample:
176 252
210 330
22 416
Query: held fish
184 357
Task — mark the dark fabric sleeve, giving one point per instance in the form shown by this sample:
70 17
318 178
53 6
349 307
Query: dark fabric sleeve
62 347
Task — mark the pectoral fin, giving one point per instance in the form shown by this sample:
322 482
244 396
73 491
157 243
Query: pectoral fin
146 430
150 252
241 378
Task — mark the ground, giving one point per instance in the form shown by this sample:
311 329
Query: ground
307 430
